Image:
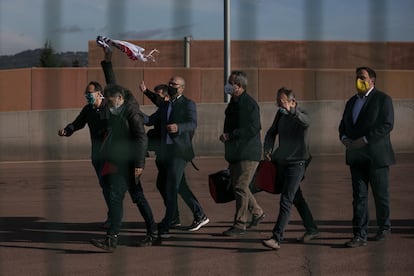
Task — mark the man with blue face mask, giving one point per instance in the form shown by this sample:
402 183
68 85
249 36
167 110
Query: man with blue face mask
93 115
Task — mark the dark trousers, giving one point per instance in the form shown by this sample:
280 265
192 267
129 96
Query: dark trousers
170 176
97 165
378 178
118 184
137 195
161 189
291 175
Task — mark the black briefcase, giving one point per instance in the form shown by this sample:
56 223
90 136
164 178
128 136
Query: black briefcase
220 186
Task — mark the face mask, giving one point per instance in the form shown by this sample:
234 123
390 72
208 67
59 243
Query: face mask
90 98
228 89
116 110
172 91
283 111
362 86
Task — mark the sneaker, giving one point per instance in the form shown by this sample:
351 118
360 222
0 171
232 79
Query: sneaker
197 224
164 234
256 220
108 243
234 231
307 237
356 242
382 235
271 243
149 240
175 223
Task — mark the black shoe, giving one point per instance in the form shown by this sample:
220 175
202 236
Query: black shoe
149 240
197 224
307 237
108 243
256 220
234 231
356 242
175 223
163 233
382 235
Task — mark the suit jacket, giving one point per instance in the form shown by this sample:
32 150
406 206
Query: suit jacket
242 123
184 114
375 122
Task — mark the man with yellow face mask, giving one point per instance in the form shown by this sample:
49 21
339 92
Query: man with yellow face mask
364 130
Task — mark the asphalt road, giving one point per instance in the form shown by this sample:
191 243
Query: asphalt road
50 210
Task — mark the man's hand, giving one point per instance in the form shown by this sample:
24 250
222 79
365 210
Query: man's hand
138 171
172 128
62 132
142 86
358 143
268 156
224 137
347 142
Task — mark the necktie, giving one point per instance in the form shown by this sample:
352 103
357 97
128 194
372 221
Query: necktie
169 141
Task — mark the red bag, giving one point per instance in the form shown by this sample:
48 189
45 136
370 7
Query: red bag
266 178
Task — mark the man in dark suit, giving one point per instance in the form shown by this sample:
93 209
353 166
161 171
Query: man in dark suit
365 129
177 119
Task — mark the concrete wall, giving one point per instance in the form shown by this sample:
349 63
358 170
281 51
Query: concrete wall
32 135
63 88
36 102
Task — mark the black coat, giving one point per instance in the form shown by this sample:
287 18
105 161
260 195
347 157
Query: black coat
242 123
375 122
125 144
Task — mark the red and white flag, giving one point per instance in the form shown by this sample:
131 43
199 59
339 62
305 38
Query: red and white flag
133 51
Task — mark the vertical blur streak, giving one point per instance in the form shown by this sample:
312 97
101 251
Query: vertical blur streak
115 25
52 189
227 45
378 58
378 32
248 31
313 33
116 19
53 23
181 27
248 55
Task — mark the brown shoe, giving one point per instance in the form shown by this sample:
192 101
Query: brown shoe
307 237
256 220
271 243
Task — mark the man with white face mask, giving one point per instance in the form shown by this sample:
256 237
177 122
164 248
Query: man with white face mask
365 130
241 138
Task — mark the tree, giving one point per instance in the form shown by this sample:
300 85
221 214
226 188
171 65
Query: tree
47 56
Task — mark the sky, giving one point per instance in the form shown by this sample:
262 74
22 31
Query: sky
70 24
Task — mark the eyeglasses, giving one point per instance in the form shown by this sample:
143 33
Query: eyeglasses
174 84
